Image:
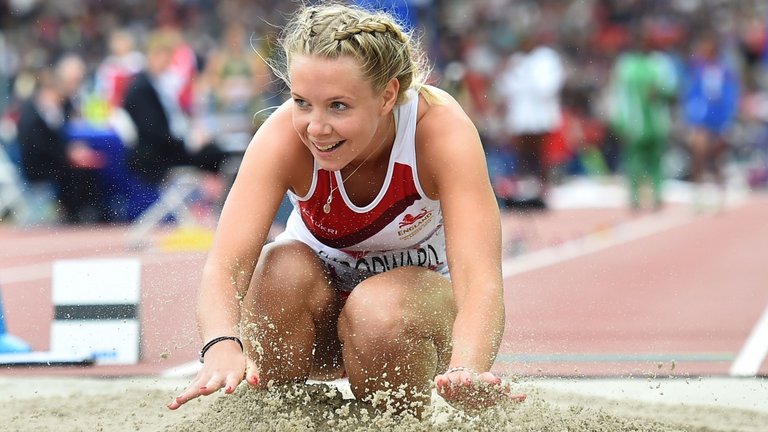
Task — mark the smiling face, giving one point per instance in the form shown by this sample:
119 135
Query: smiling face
336 112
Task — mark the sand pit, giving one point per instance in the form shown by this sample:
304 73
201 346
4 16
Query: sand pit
138 404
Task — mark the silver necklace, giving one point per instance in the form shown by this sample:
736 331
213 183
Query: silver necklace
327 205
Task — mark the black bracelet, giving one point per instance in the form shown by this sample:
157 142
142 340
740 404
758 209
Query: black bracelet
214 341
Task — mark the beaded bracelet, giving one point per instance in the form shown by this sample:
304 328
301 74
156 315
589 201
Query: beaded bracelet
214 341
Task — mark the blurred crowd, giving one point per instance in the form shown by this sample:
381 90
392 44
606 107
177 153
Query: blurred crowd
647 90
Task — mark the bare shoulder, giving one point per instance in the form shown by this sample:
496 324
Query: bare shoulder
277 128
442 119
277 149
446 140
435 103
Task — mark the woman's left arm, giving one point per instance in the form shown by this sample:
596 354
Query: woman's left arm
456 172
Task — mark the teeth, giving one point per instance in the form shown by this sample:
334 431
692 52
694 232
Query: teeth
328 147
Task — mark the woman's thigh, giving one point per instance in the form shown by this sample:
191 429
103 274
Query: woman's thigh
288 275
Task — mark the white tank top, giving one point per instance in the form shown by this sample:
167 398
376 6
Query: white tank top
400 227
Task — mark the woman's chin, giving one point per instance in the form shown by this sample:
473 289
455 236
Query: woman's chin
329 160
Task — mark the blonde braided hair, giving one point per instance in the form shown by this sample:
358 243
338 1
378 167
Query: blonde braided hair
374 38
369 25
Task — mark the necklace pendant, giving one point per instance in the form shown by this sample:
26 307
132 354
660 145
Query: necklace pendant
327 205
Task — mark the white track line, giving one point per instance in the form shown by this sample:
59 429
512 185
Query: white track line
623 233
182 371
754 351
41 271
25 273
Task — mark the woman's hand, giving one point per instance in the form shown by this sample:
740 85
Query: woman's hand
469 391
225 367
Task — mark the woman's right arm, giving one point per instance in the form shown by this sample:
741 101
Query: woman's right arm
267 171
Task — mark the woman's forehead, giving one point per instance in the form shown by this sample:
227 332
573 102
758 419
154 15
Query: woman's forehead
323 75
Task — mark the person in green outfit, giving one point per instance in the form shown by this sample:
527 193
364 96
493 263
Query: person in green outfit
644 83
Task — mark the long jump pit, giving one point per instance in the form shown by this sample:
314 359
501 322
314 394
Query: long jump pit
553 404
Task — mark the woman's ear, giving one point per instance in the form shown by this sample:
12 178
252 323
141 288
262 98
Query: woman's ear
390 93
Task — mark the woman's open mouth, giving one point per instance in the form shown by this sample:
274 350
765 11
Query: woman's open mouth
328 147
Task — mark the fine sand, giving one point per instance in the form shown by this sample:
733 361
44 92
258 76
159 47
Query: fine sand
138 404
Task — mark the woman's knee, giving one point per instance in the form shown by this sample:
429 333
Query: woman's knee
287 264
288 273
369 317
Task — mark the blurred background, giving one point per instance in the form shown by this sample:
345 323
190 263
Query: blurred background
626 140
624 92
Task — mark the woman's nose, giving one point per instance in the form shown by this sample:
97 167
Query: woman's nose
318 126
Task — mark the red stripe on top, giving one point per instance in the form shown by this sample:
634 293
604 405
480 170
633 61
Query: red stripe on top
343 227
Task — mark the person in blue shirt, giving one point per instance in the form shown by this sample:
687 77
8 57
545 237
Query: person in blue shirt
710 101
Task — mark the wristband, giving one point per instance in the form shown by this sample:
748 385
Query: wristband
214 341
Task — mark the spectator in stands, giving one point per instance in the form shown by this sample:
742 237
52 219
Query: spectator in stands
530 85
118 68
237 76
164 139
644 85
48 156
234 88
710 101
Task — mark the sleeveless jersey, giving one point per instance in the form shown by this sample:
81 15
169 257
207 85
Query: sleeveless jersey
400 227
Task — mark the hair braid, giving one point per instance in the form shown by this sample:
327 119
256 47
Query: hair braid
371 26
375 39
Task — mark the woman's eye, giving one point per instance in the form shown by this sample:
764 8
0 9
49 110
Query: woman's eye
301 103
338 106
